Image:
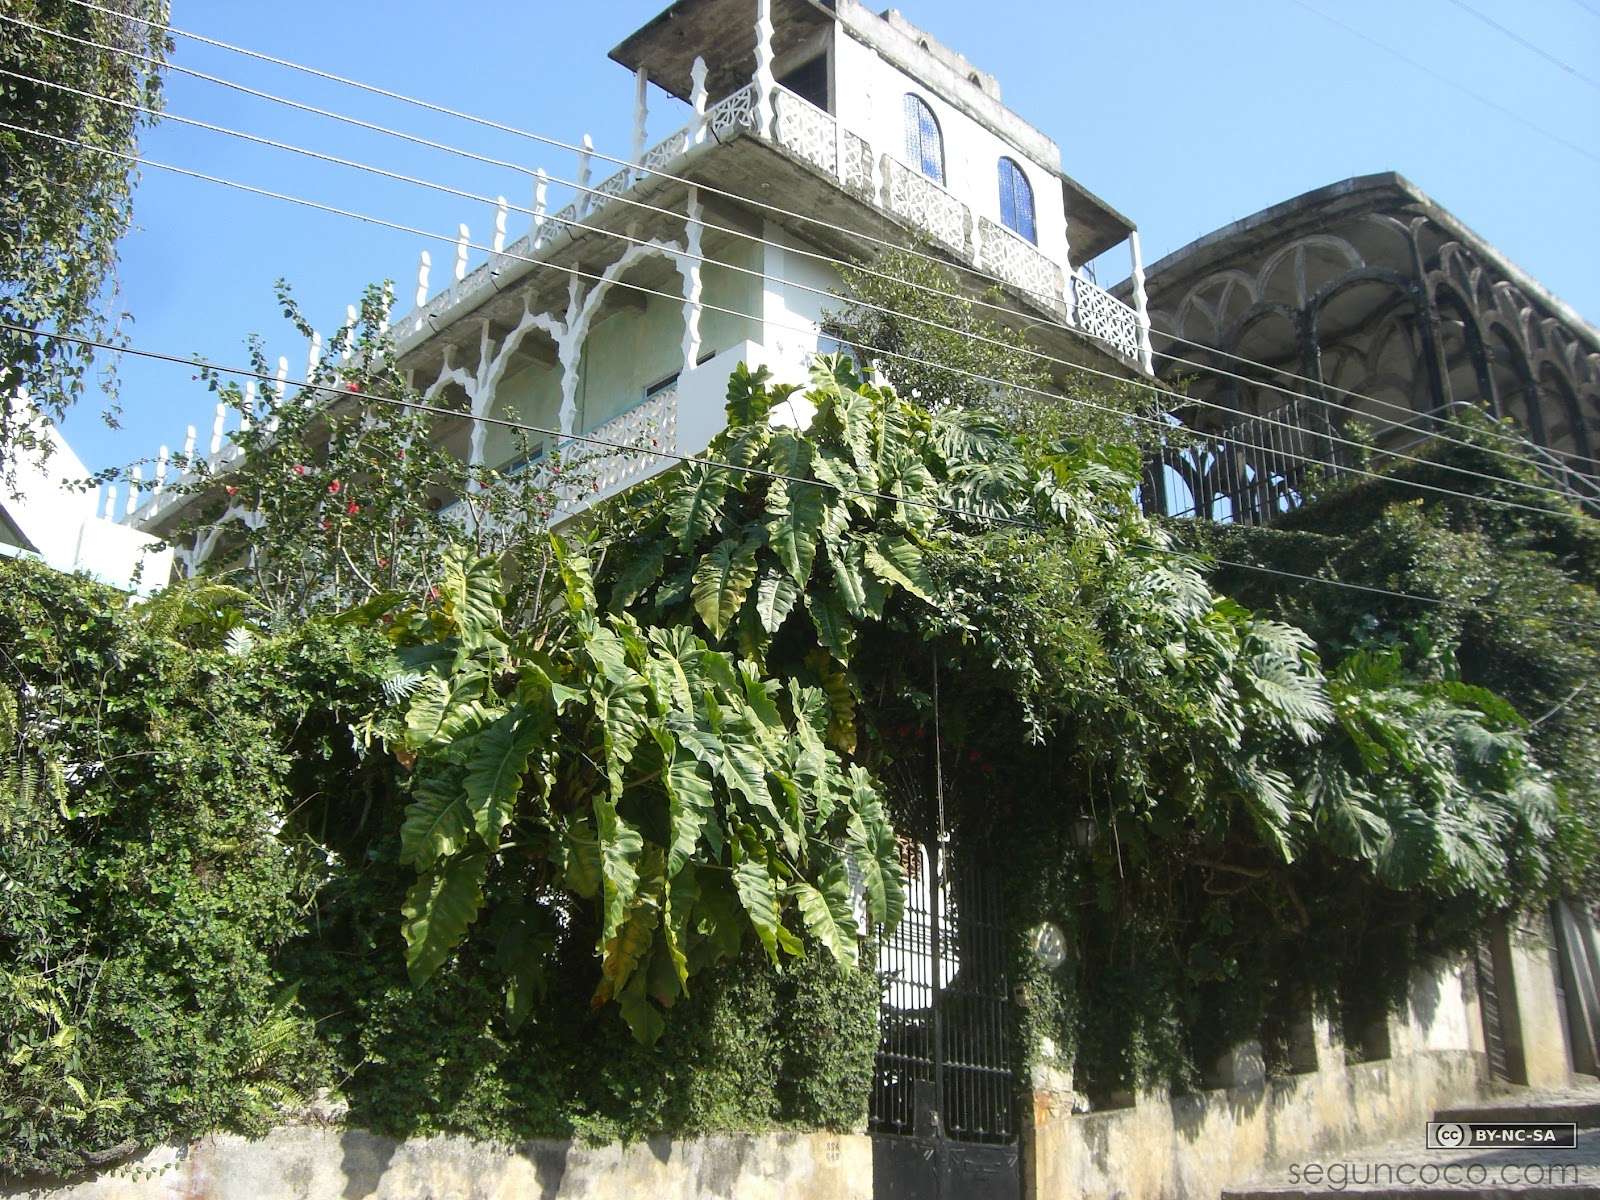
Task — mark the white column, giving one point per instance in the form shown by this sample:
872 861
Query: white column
765 80
1141 304
692 286
697 101
641 113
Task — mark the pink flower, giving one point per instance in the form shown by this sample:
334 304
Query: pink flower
299 469
352 508
401 454
597 485
333 488
383 562
232 489
352 387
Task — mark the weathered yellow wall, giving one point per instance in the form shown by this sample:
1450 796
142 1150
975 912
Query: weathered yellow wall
330 1164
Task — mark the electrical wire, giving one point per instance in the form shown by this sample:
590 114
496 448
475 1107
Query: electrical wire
1444 79
776 476
1525 43
339 161
1509 439
573 272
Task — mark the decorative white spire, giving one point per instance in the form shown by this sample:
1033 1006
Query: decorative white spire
500 225
347 335
313 356
134 485
697 99
161 471
583 172
188 447
541 188
247 411
765 80
461 253
111 502
216 427
423 267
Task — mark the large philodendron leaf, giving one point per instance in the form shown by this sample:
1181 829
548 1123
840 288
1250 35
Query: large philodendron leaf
758 892
826 912
696 503
691 805
494 774
893 559
722 581
470 591
832 621
794 522
439 908
438 821
620 847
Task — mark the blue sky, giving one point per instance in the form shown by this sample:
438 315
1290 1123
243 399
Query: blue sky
1184 114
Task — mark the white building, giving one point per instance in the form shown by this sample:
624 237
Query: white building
44 516
818 132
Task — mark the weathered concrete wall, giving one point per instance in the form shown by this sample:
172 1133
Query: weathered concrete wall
333 1164
1193 1146
1542 1023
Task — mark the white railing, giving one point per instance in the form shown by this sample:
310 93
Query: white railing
733 112
1101 315
817 137
925 204
662 154
1019 263
649 434
808 131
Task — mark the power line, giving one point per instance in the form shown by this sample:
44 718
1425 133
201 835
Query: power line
1189 401
1525 43
778 476
1444 79
1159 423
756 239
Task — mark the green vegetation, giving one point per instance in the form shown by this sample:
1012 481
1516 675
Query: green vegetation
68 185
554 836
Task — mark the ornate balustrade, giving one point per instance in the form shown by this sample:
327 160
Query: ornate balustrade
920 200
807 130
1101 315
1020 264
733 112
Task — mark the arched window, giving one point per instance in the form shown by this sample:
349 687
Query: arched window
924 144
1016 201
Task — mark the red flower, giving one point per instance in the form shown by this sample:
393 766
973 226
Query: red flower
352 508
555 469
333 487
324 524
974 756
433 593
232 489
299 469
401 454
597 485
383 562
352 387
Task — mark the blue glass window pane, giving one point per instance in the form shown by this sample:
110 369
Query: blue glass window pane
924 144
1016 201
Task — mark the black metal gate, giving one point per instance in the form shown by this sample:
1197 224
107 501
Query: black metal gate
1494 1040
944 1102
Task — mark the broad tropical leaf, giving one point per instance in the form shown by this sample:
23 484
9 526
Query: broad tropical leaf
439 908
494 774
722 581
